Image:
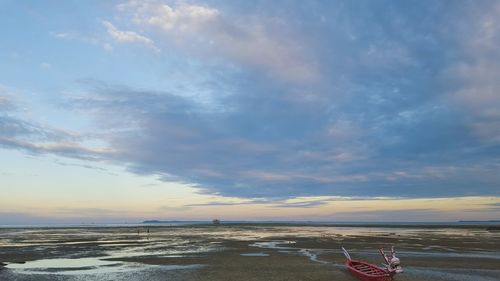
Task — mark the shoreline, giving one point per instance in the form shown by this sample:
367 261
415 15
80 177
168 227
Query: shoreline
444 224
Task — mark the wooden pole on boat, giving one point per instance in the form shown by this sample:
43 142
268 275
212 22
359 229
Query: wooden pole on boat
346 254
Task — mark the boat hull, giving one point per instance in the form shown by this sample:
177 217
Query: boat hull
368 272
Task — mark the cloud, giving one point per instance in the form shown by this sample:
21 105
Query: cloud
72 35
64 35
493 208
271 203
184 17
305 204
400 215
12 126
128 37
6 103
216 204
16 133
475 72
72 150
277 151
103 40
45 66
208 32
15 127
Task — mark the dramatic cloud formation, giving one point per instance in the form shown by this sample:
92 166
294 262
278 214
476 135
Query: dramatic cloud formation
259 151
267 101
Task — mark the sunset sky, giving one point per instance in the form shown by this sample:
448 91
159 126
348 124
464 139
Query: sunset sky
121 111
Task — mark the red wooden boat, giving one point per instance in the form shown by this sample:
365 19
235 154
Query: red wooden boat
369 272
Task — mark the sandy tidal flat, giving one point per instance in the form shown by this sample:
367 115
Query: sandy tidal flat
243 252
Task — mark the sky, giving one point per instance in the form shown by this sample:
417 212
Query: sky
123 111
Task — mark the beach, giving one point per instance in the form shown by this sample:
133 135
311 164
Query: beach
243 252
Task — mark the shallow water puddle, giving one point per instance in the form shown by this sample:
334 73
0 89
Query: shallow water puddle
67 266
280 245
87 266
61 263
254 255
277 245
312 255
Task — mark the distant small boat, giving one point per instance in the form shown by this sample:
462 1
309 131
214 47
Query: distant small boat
369 272
216 221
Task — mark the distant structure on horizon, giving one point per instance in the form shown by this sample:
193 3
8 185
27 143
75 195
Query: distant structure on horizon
216 221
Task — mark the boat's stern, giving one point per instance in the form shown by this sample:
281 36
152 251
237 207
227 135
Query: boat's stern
395 265
392 263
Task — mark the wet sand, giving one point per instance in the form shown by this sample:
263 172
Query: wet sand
243 252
